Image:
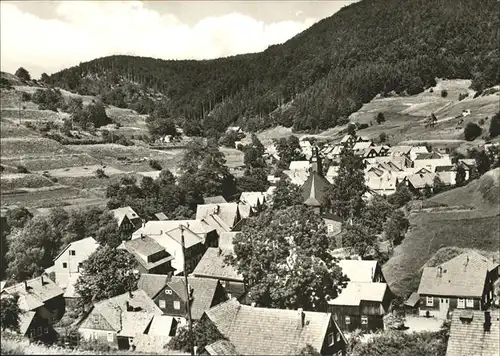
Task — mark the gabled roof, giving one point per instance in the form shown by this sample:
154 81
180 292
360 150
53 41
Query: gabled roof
412 300
356 292
203 293
462 276
399 150
36 294
160 325
134 323
297 177
25 320
428 155
470 339
227 212
85 248
219 199
362 145
245 210
152 284
121 213
263 331
314 190
161 216
190 238
359 270
253 198
113 309
157 228
212 265
69 290
226 240
144 247
299 166
221 347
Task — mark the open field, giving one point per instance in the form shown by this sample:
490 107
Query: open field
49 162
459 226
9 128
82 171
30 147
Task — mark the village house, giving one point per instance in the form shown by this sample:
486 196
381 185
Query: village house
261 331
213 265
400 151
154 229
464 282
297 177
333 224
42 304
366 271
418 182
256 200
127 219
151 257
431 160
116 321
469 165
70 260
306 148
169 294
349 141
417 150
223 217
474 333
361 305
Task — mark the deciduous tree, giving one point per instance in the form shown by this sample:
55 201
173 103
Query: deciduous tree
283 256
10 313
359 239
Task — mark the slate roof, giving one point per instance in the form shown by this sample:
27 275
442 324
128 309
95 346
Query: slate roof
314 190
262 331
356 292
471 339
358 270
152 284
412 300
114 308
145 247
299 166
121 213
37 294
190 238
203 293
462 276
221 347
253 198
219 199
160 325
226 240
212 265
25 320
134 323
227 212
157 228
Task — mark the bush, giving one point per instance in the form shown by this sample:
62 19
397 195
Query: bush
99 173
155 165
472 131
5 84
481 122
462 96
495 125
380 118
444 93
382 137
362 126
22 169
25 96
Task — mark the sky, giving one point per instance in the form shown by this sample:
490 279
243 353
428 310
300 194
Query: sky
47 36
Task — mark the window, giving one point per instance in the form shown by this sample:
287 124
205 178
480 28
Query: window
72 253
65 265
39 331
430 301
461 303
347 320
162 304
330 227
223 283
470 303
331 339
96 318
168 291
46 330
33 333
177 305
364 320
110 337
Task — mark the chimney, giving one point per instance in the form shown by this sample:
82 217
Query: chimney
26 285
487 321
128 305
467 260
440 271
142 236
41 280
302 316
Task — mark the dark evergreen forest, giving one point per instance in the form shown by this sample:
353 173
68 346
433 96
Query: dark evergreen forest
316 79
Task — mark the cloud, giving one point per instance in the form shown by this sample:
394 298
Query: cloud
86 30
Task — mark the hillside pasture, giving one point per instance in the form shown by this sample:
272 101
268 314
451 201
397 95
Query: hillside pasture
9 182
82 171
50 162
9 128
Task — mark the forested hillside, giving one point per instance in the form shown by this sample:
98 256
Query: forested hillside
316 79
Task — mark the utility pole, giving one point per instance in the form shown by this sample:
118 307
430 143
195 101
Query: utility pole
188 294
